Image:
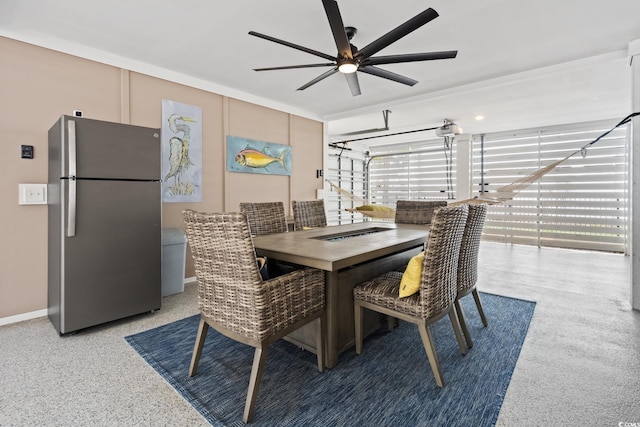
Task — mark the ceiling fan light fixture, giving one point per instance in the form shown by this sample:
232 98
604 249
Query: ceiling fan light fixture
348 66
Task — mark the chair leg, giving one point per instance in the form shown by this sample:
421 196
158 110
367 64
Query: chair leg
456 329
463 324
391 323
476 297
320 342
357 315
201 336
427 341
259 359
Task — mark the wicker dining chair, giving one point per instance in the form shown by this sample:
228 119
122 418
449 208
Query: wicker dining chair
235 301
308 213
416 211
265 217
268 218
437 291
468 265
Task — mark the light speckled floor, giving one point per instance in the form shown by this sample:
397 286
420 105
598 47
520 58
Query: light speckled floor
92 378
580 363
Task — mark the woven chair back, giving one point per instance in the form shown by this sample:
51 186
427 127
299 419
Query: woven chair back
470 246
230 289
265 217
309 213
438 287
416 211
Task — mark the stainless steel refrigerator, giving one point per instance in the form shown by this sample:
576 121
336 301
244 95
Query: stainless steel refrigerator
105 212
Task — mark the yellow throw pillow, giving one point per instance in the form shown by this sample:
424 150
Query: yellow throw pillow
410 283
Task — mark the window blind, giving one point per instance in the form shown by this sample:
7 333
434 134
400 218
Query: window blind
423 170
345 169
582 204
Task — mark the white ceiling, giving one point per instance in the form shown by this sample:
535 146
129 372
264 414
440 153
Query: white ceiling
520 63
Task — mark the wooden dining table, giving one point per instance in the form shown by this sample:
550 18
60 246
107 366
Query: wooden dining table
349 254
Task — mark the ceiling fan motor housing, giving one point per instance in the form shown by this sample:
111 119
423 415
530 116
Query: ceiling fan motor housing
351 33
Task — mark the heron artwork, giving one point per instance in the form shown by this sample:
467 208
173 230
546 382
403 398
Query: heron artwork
179 161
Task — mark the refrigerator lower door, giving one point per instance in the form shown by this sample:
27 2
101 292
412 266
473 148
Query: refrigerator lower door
111 267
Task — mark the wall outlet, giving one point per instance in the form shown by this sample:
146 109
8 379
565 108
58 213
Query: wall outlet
32 194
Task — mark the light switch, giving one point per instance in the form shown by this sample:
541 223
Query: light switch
26 151
32 194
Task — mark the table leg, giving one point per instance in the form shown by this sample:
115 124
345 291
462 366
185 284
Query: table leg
331 294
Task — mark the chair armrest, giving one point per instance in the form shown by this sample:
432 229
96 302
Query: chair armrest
295 295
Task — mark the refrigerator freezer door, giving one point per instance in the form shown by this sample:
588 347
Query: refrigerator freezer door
97 149
111 268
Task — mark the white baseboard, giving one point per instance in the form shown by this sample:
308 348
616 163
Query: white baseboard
41 313
22 317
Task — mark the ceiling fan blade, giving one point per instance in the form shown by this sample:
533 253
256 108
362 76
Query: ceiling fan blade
337 28
411 57
294 46
319 78
375 71
352 81
288 67
396 34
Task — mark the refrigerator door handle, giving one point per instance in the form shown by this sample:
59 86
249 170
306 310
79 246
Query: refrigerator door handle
71 212
71 127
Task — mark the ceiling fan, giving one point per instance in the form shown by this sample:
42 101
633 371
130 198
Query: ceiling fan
351 59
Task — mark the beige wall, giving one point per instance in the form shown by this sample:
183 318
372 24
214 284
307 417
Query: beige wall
38 85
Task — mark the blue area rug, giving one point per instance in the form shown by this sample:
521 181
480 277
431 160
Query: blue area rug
389 384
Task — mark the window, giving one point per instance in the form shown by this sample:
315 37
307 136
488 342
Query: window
345 170
582 203
422 170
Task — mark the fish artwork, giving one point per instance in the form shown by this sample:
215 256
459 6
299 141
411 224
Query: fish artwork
256 159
